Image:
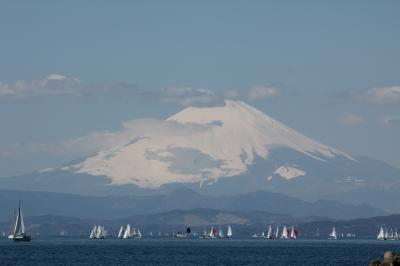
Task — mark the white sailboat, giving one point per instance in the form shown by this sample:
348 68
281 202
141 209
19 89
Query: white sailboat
93 232
229 232
386 234
213 232
293 233
277 232
220 233
19 233
391 234
205 234
270 233
139 234
381 234
127 233
285 233
333 234
121 232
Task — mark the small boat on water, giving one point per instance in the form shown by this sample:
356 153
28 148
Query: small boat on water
220 233
121 232
381 234
270 233
229 232
213 233
183 235
19 232
205 235
293 233
333 234
285 233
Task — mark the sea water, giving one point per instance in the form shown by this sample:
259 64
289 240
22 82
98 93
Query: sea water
68 251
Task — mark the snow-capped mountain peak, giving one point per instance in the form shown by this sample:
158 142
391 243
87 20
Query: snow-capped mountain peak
223 142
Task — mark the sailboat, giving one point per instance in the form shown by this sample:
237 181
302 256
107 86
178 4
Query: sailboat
277 232
93 232
19 233
381 234
213 232
220 233
121 232
333 234
229 232
270 234
139 234
285 233
293 233
128 232
391 234
386 234
205 234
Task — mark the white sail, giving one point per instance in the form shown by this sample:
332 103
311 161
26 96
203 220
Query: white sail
139 234
229 232
103 232
293 233
127 233
212 232
19 229
93 232
391 234
270 233
220 234
277 232
121 232
285 232
381 234
396 234
333 234
386 234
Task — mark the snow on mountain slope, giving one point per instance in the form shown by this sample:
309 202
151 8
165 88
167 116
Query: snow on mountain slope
289 172
223 142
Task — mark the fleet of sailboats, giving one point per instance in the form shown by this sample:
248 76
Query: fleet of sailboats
129 232
218 234
271 234
98 232
18 231
388 234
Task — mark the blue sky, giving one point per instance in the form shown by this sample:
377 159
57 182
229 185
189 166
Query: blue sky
329 69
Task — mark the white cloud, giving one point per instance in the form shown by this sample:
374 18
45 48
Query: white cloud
391 120
97 141
380 95
261 92
188 96
351 120
253 93
57 84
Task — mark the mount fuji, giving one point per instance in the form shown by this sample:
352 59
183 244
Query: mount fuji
229 149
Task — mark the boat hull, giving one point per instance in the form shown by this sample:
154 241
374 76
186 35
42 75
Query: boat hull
22 238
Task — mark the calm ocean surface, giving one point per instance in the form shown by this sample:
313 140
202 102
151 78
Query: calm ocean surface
192 252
